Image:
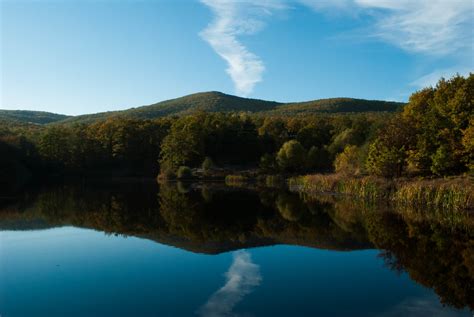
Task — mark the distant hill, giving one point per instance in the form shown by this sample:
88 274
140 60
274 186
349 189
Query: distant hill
335 105
219 102
207 101
26 116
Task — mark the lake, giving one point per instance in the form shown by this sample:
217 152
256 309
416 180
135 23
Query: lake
143 249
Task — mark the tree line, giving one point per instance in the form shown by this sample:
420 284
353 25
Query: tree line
432 135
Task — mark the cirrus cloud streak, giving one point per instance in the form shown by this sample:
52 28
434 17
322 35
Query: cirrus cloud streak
436 28
233 19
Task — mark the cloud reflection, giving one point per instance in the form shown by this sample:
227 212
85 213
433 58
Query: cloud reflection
423 306
241 278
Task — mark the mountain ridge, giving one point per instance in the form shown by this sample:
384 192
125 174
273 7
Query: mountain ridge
214 101
31 116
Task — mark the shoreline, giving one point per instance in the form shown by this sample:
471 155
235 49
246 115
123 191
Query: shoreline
455 193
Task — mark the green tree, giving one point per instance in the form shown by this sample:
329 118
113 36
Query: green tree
207 164
292 156
348 162
184 172
442 161
274 129
184 145
314 135
468 144
54 145
439 117
385 160
318 159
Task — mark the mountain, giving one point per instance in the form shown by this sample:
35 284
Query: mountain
207 101
219 102
335 105
26 116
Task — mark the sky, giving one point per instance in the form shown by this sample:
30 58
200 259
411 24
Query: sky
85 56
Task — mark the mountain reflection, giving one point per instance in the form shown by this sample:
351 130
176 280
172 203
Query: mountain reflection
241 278
434 248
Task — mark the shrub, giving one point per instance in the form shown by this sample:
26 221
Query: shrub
347 162
183 188
207 164
184 172
385 159
292 156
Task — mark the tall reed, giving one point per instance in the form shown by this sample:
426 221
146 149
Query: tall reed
236 180
454 194
370 188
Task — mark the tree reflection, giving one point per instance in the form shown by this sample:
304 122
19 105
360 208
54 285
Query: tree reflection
433 255
437 250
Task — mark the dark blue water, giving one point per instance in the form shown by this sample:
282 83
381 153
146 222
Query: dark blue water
60 269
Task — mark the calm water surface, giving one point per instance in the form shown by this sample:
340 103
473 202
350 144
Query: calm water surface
190 250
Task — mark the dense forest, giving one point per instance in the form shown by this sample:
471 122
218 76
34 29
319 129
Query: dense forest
433 135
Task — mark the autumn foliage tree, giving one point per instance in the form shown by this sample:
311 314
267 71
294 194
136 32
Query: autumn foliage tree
431 136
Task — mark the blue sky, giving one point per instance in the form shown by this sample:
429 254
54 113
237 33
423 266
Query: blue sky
85 56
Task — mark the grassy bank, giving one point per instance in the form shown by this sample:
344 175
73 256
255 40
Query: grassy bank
446 193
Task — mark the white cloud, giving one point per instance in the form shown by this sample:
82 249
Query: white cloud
242 277
422 306
433 77
435 27
232 19
325 4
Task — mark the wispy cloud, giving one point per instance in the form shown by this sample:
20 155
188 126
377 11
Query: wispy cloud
422 306
242 277
434 27
318 5
233 19
433 77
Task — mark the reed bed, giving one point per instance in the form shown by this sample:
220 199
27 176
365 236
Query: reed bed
275 181
370 188
455 194
236 180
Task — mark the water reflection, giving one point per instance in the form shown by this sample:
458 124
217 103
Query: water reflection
435 249
241 278
414 307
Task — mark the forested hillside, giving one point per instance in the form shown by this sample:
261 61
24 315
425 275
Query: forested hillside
432 136
218 102
26 116
338 105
